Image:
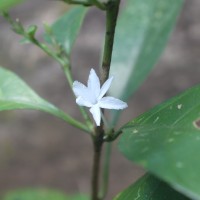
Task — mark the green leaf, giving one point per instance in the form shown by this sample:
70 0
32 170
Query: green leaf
66 28
150 188
166 141
6 4
15 94
141 34
41 194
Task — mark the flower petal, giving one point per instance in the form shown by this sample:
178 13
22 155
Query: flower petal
96 113
112 103
80 90
94 83
105 87
82 102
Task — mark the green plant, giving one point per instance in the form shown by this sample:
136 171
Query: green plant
163 140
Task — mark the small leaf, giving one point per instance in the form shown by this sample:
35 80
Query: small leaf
150 188
32 30
141 34
15 94
66 28
166 141
41 194
6 4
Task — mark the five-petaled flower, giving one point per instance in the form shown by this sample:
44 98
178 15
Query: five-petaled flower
92 96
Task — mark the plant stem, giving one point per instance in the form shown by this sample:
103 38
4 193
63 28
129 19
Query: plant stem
112 8
70 120
111 19
105 173
67 71
77 2
97 144
64 63
87 4
68 74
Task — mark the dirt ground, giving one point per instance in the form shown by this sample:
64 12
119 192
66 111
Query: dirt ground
39 150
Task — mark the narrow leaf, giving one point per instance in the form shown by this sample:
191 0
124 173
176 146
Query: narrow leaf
66 28
150 188
15 94
166 141
141 34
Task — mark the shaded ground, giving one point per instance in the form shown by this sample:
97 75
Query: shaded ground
39 150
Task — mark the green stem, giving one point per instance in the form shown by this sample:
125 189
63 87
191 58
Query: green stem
67 70
18 28
115 136
112 9
95 174
89 3
77 2
97 144
99 4
106 166
111 19
70 120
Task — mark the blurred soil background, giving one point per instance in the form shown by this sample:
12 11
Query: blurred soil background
41 151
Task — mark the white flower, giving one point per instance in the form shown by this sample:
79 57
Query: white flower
92 96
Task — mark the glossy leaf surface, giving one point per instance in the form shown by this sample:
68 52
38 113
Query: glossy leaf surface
141 34
66 28
166 141
41 194
16 94
150 188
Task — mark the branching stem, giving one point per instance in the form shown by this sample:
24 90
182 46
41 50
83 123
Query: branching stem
112 8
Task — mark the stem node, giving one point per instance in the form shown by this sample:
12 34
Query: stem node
112 9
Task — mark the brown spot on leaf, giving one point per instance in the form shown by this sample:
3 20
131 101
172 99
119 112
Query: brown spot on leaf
196 123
